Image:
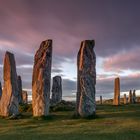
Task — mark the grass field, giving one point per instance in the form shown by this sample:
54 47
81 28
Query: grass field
112 123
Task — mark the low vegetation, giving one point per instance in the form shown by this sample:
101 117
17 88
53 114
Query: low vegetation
63 106
112 123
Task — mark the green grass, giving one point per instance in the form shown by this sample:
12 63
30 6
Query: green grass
112 123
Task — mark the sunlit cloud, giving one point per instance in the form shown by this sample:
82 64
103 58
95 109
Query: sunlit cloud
5 43
128 60
27 66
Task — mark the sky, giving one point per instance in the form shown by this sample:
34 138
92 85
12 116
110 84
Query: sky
113 24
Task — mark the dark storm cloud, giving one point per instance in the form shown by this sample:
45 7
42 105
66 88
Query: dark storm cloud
113 24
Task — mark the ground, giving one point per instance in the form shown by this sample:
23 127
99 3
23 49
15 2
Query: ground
112 123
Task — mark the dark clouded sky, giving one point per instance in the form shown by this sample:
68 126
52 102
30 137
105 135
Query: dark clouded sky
114 24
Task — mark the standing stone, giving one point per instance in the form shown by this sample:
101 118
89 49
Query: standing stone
57 90
134 96
86 61
0 90
130 99
101 102
125 99
24 97
9 100
41 79
116 100
20 89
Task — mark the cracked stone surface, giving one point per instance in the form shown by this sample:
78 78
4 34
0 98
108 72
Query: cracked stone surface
9 100
41 79
86 62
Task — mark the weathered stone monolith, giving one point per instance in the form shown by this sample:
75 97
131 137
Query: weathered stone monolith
24 97
125 99
86 61
134 96
42 79
20 89
116 100
57 90
0 90
101 102
130 99
9 100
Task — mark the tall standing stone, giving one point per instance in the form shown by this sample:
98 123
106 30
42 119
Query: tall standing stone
57 90
9 100
0 90
20 89
116 100
41 79
130 99
101 102
125 99
86 61
134 96
24 97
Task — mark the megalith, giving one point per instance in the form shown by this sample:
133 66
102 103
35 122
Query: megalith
116 100
0 90
41 79
20 89
101 102
24 97
134 96
9 100
125 99
130 99
56 90
86 79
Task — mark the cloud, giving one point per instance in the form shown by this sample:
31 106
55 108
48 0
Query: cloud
114 25
123 61
57 70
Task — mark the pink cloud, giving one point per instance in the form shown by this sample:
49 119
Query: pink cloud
123 61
